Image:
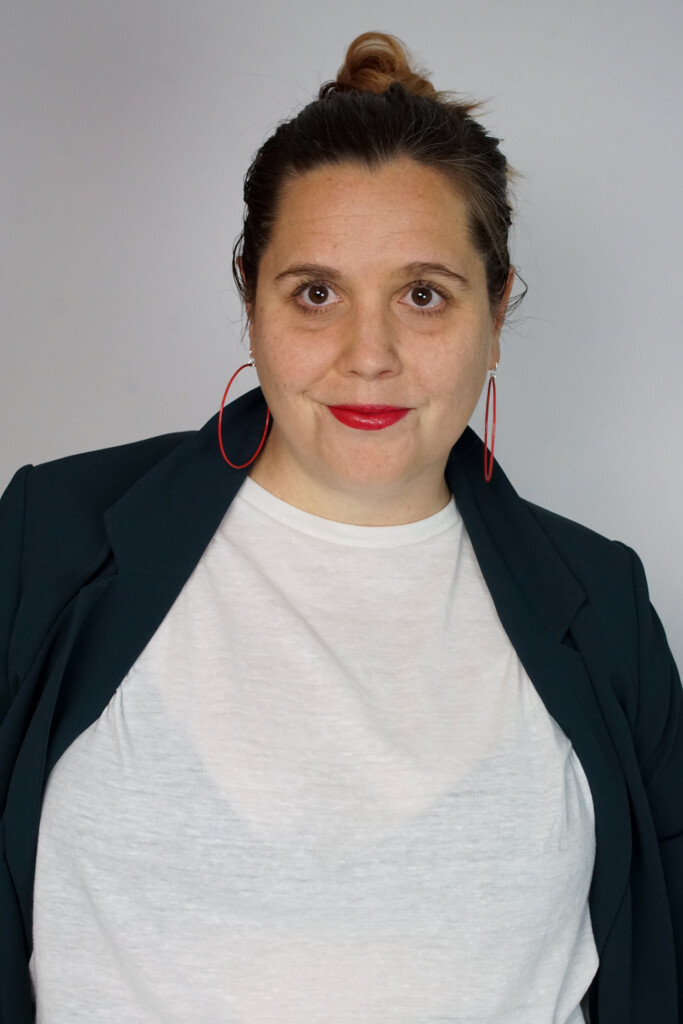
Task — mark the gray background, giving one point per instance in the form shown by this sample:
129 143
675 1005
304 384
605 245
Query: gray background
127 128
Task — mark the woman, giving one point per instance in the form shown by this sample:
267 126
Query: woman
307 715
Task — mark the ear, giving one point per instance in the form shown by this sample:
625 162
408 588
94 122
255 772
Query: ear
499 319
499 316
249 308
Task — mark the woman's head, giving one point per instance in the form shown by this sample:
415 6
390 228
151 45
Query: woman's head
381 109
375 270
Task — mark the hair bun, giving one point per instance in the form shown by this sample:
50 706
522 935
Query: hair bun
375 61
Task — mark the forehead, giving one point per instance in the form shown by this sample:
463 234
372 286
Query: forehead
399 207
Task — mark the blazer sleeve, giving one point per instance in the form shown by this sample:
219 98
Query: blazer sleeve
658 738
12 505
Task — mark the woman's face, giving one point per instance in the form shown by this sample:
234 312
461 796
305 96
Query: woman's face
369 294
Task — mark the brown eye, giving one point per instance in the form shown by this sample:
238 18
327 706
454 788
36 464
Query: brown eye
421 295
317 293
426 298
314 297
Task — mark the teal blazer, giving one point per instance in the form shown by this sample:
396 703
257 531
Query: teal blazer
96 547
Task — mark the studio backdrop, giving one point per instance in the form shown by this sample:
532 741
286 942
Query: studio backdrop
127 128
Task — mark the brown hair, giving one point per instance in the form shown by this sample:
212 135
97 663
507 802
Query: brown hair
382 107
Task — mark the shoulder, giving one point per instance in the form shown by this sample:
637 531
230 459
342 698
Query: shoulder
81 486
99 477
66 495
609 571
588 552
535 534
84 483
51 522
602 565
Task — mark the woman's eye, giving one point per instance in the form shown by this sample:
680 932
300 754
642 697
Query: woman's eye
315 295
425 297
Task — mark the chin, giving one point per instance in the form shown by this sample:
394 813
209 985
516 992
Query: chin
371 481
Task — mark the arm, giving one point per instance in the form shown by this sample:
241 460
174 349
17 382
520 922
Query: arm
658 739
11 548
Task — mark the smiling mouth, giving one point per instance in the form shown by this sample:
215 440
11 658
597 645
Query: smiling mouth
368 417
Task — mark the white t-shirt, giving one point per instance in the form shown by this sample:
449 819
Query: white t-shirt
326 792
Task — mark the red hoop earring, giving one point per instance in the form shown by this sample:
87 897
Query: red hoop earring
488 459
243 465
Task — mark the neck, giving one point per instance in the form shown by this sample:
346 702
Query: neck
386 506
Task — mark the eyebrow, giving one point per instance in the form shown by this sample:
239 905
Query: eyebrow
417 269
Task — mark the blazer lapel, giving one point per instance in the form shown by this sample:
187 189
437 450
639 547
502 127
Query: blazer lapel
157 532
543 609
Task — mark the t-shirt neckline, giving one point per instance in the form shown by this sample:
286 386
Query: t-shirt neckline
331 530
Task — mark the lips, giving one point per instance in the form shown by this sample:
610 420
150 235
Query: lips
368 417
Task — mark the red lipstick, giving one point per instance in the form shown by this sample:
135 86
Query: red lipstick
368 417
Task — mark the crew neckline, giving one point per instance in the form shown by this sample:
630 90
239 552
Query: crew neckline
351 534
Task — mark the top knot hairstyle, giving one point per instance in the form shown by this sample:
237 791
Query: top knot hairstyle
380 108
374 62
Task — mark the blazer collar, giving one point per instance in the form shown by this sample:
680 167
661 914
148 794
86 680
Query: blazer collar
164 522
161 526
508 540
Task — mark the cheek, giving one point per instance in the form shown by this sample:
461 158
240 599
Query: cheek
284 362
454 369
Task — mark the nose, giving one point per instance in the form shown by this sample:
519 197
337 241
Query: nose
370 345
